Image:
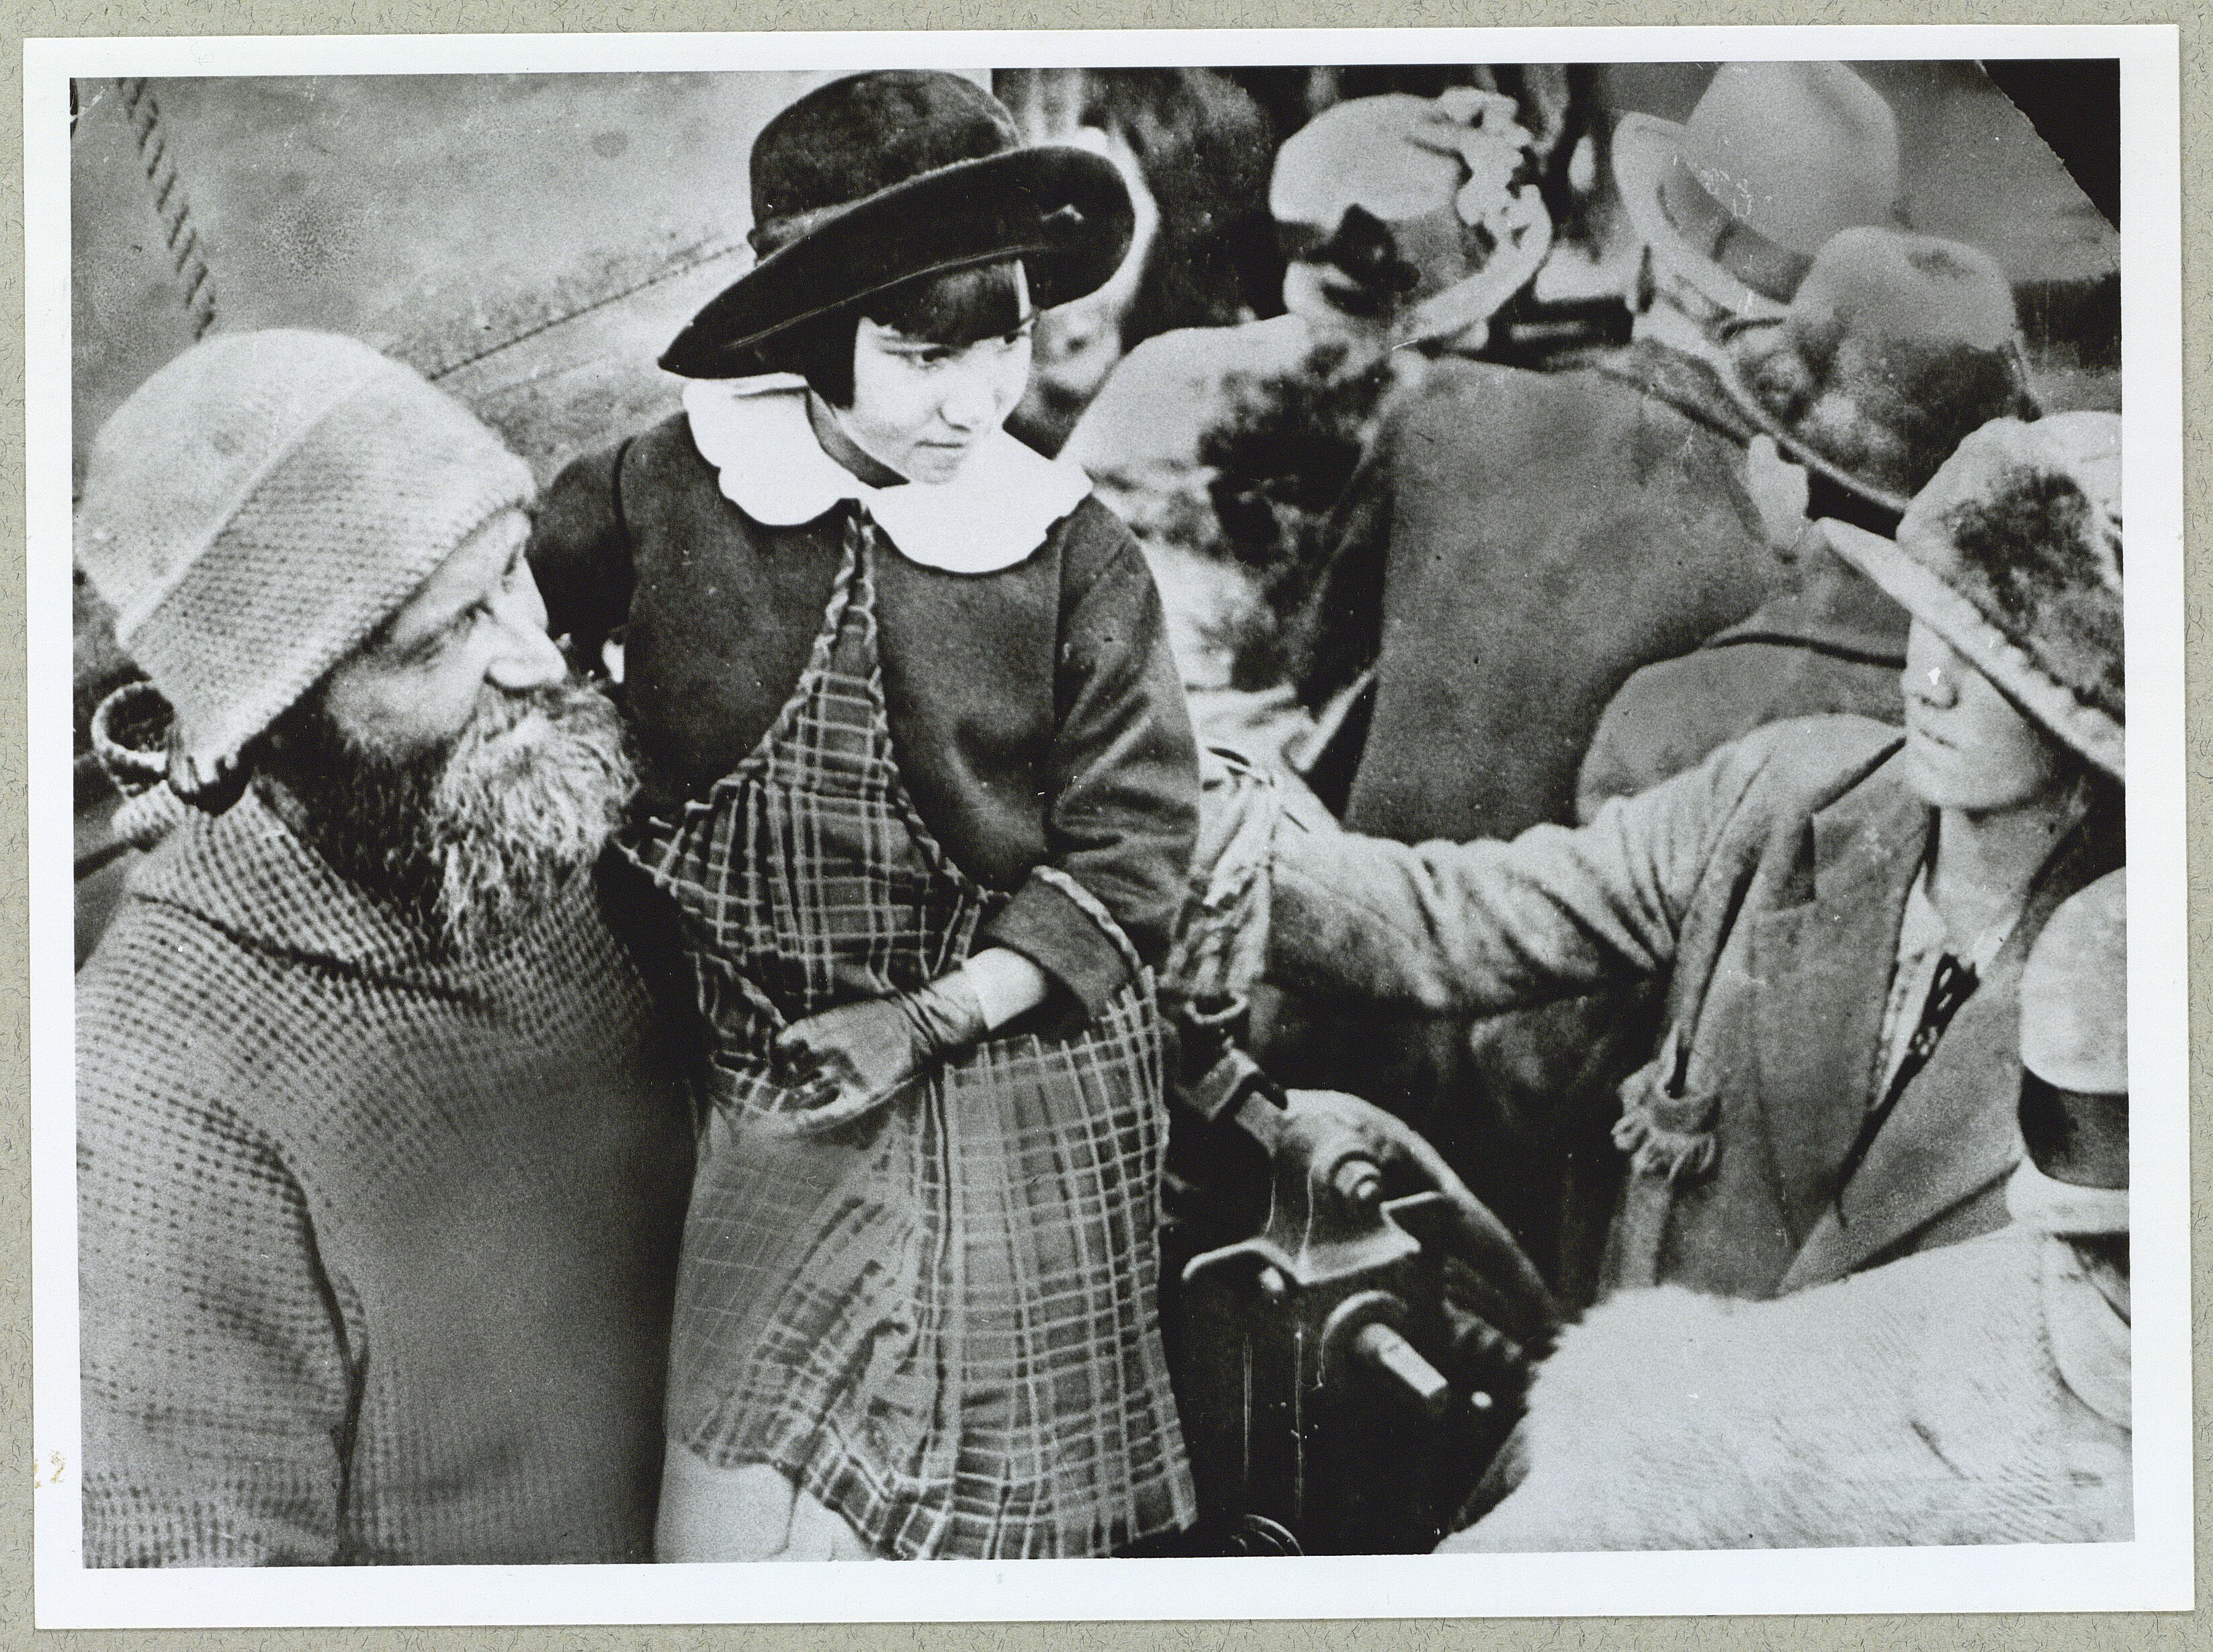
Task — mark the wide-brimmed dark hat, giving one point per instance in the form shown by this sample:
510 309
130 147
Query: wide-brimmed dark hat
882 178
2012 554
1896 348
1777 158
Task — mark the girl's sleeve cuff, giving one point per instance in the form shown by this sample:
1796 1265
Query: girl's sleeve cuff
1047 924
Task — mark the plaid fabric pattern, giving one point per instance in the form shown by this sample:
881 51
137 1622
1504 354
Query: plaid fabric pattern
937 1314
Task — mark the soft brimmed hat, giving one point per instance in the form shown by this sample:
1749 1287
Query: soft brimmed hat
1388 188
1429 203
1895 347
882 178
1776 158
259 507
2074 993
2012 554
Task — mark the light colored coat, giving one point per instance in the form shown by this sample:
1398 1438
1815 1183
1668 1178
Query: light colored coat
1975 1394
1766 888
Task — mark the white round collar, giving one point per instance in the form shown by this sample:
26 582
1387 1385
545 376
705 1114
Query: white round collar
994 514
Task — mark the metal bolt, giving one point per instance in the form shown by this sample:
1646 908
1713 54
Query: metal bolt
1390 1355
1358 1182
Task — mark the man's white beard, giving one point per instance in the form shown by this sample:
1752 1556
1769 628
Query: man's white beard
473 837
527 799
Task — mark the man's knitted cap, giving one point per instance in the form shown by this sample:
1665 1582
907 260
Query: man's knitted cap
2074 993
259 506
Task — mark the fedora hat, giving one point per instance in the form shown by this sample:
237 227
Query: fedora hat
2012 554
1895 347
882 178
1776 158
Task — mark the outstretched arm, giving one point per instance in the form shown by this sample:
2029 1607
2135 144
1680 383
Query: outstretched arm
1491 925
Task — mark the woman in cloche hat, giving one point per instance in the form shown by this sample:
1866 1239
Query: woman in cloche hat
1835 916
920 781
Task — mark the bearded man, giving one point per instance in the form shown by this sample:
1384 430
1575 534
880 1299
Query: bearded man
381 1158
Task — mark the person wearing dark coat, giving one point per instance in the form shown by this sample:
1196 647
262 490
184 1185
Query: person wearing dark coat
1836 914
1521 542
1895 347
1386 205
919 780
1516 544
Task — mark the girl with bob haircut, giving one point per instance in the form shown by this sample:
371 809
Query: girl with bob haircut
919 780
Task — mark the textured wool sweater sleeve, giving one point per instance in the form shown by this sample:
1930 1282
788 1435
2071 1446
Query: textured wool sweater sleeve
1122 808
1491 926
219 1392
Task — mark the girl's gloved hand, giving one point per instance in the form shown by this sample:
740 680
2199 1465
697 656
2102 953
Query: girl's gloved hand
870 1048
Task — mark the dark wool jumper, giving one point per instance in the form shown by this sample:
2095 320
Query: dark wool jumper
1038 716
376 1248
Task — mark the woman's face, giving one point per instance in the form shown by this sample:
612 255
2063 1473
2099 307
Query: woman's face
919 408
1966 748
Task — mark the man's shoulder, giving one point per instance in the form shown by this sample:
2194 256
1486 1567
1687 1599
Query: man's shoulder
1668 717
217 978
1581 408
1778 778
1821 755
1204 355
168 1004
1736 689
1157 403
1457 392
1458 389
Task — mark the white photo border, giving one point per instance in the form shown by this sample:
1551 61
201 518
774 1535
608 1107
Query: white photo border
2153 1572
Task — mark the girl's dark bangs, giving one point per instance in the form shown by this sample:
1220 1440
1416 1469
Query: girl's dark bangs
955 308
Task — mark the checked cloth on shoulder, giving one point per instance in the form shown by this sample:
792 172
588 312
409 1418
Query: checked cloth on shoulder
935 1312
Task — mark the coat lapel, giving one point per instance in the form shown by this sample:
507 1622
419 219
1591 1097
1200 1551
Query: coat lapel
1954 1132
1821 972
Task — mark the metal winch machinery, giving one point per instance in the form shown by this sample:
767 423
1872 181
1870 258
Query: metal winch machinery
1349 1340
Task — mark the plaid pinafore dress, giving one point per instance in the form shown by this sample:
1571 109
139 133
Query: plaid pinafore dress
937 1314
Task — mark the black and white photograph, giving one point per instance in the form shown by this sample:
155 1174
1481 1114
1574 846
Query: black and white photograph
1348 822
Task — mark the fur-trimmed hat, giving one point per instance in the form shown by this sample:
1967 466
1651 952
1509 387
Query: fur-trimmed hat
2012 554
882 178
1896 347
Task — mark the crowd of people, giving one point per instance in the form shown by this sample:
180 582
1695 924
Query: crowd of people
643 1031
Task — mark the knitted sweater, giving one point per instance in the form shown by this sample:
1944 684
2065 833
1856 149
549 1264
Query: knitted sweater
376 1248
